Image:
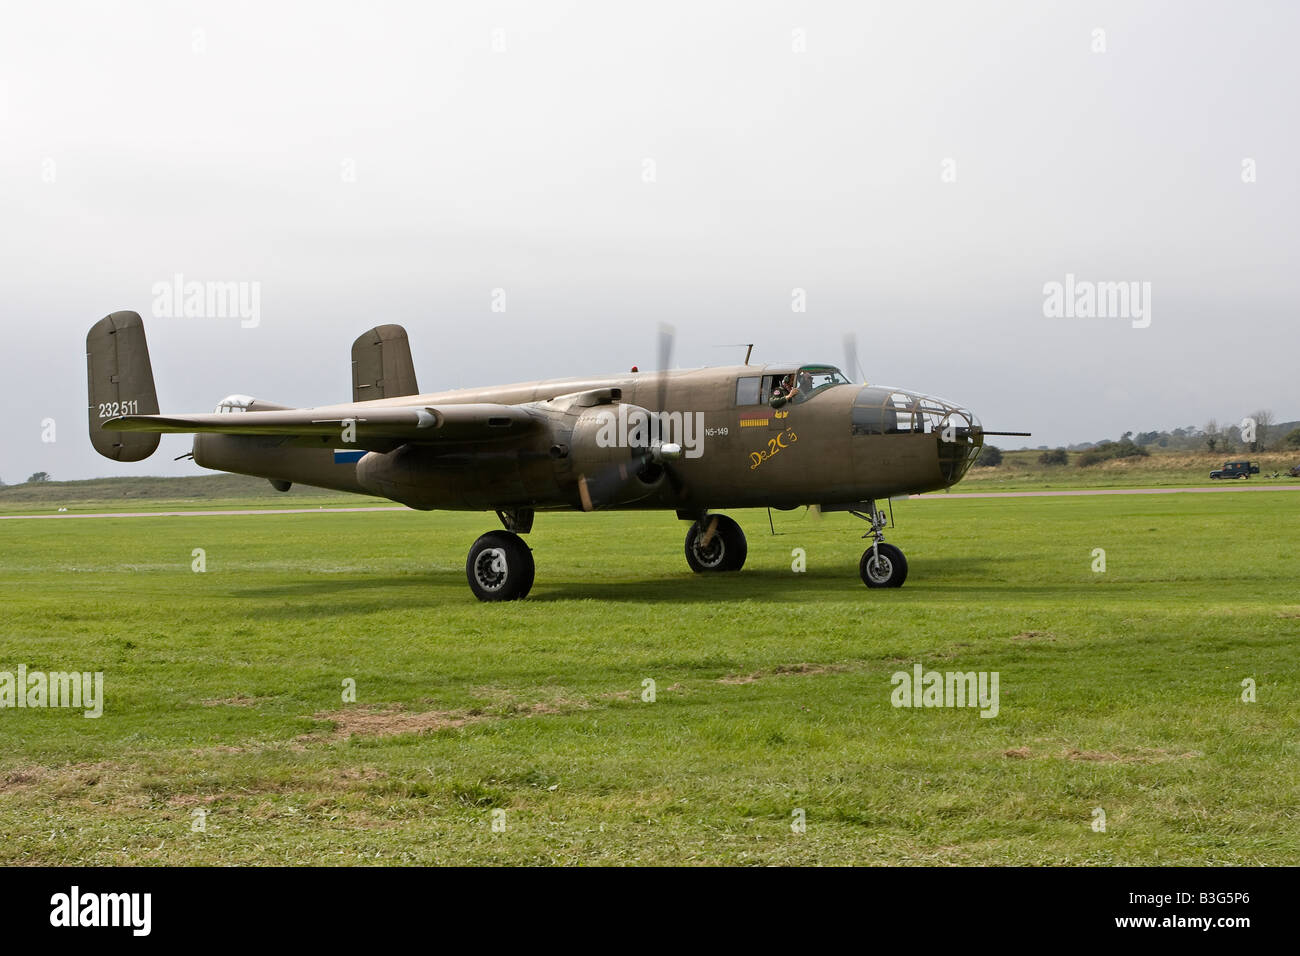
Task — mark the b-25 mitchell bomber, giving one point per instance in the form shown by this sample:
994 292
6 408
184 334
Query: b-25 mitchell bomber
692 441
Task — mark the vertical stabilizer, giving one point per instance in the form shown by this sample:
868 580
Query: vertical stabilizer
120 381
381 365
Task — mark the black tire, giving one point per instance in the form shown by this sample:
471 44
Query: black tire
726 550
883 567
500 567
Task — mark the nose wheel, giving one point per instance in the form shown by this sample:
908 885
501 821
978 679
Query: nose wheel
882 565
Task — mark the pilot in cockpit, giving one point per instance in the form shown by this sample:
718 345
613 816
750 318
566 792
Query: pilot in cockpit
784 391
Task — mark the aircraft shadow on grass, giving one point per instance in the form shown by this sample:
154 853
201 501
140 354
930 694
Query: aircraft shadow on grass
761 585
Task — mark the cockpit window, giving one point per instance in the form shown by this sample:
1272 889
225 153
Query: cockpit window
800 385
815 378
235 403
747 390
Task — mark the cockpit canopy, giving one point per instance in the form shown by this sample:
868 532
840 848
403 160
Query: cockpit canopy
234 403
793 384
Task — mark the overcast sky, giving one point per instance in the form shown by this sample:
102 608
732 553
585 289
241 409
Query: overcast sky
921 171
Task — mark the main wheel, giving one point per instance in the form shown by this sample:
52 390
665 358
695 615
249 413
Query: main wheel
725 551
883 567
500 567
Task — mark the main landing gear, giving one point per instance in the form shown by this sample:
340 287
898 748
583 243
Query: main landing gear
500 566
715 543
882 565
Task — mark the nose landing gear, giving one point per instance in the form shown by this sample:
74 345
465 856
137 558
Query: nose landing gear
882 565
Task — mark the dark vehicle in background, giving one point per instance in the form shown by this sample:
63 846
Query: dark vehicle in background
1235 469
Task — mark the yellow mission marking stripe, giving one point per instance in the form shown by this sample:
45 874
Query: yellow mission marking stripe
753 422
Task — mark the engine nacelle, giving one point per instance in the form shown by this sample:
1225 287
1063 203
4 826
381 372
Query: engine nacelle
592 452
609 454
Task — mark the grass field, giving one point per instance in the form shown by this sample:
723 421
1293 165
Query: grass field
1118 690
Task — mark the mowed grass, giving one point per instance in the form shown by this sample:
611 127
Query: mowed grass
1118 690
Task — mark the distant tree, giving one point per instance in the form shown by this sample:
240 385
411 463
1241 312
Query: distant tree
1292 439
1057 456
1148 438
40 476
1211 432
990 457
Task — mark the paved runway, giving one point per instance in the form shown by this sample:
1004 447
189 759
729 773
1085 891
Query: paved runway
207 514
1229 486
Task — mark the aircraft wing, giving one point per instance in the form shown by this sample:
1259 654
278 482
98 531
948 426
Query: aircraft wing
386 425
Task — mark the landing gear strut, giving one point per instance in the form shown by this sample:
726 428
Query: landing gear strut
882 565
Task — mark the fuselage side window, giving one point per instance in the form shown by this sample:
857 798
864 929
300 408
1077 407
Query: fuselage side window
747 390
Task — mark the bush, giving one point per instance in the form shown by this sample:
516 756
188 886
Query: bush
1292 439
1056 456
1124 448
990 457
1092 456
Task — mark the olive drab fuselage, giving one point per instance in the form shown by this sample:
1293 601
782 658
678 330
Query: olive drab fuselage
840 445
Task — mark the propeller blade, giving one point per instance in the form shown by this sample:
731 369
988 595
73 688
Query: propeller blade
666 335
852 367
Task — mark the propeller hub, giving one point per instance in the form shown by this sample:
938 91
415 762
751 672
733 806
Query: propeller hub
669 451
